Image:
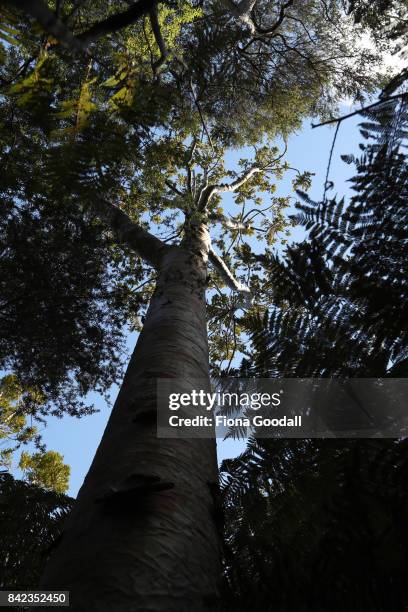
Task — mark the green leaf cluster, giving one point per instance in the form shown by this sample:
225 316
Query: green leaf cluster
46 470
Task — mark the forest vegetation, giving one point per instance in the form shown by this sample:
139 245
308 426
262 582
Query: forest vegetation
120 211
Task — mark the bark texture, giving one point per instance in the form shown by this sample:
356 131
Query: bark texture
150 546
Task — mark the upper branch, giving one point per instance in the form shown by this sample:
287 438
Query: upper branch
154 22
118 21
244 11
207 193
52 24
241 180
147 246
359 111
282 14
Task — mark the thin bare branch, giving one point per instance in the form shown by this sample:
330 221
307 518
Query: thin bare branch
198 106
234 348
360 110
257 211
326 182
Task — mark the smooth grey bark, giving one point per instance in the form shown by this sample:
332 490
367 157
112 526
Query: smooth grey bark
149 549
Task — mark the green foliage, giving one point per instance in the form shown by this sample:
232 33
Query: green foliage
268 83
80 107
340 296
35 85
384 17
31 520
8 31
46 470
67 288
15 402
245 85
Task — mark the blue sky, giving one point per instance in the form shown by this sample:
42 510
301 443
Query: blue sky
77 439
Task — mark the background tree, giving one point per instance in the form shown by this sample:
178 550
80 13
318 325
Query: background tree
14 429
43 468
31 521
46 470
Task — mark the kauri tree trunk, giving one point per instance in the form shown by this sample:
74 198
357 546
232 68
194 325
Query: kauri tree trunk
142 534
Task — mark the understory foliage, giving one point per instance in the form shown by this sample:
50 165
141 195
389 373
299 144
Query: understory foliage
31 520
316 525
313 525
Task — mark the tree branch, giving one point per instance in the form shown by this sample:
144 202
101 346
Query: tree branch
207 193
154 22
268 31
229 223
50 22
147 246
173 188
200 112
118 21
241 180
360 110
226 274
244 12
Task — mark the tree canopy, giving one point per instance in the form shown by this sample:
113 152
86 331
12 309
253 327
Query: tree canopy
101 115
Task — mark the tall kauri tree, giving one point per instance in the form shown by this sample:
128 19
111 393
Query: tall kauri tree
114 126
